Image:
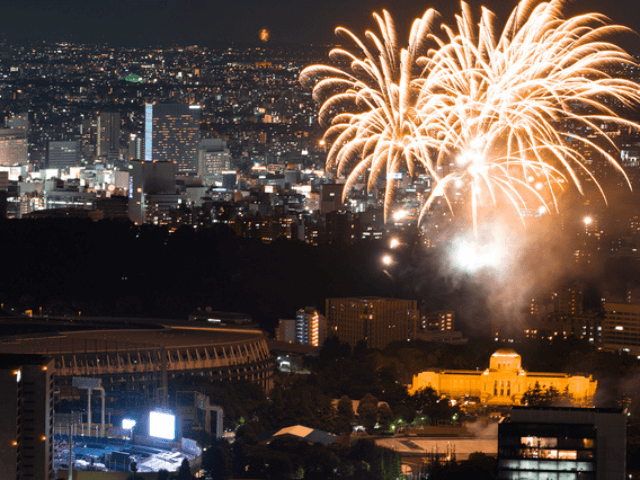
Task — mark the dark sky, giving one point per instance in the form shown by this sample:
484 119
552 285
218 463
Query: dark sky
209 22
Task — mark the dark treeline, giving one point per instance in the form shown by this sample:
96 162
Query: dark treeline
115 268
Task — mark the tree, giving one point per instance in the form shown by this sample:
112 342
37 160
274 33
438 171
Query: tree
368 411
385 415
217 461
368 414
533 397
184 472
537 397
345 408
163 474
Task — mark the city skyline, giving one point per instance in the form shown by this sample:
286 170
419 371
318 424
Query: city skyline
168 202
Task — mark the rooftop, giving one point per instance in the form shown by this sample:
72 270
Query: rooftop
15 360
123 339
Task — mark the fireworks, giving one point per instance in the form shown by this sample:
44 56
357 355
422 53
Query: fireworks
370 109
499 119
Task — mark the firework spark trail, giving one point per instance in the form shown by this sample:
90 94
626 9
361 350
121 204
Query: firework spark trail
372 115
494 103
478 109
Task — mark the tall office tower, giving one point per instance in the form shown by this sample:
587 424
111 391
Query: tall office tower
64 154
13 146
213 159
171 134
108 144
563 444
26 418
378 321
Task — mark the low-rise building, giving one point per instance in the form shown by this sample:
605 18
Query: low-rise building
504 383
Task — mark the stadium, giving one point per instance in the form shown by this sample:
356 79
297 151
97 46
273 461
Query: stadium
132 363
141 356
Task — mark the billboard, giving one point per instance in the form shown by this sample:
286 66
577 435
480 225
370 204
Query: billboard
162 425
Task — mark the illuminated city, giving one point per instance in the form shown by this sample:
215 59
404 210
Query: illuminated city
319 240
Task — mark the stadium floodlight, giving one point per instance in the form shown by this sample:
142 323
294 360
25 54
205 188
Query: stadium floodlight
128 424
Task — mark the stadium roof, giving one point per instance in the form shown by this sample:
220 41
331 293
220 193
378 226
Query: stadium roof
118 339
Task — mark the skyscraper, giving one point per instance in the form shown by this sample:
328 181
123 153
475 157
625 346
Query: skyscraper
172 132
108 134
26 416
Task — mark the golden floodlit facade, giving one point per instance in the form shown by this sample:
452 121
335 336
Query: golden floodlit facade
504 382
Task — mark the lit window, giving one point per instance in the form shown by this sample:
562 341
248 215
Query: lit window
567 454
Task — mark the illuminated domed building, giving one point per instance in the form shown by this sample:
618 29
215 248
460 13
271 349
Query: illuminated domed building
504 382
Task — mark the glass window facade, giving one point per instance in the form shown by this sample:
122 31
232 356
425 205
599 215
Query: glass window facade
545 452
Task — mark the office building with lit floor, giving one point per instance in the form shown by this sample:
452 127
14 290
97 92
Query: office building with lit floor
26 416
562 444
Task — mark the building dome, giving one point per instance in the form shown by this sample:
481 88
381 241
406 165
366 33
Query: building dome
501 352
505 359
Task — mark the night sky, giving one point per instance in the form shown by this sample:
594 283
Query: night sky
215 22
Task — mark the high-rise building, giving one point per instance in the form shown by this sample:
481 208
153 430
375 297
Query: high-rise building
378 321
308 328
26 419
136 147
213 159
13 146
172 133
562 444
621 327
108 144
311 327
64 154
